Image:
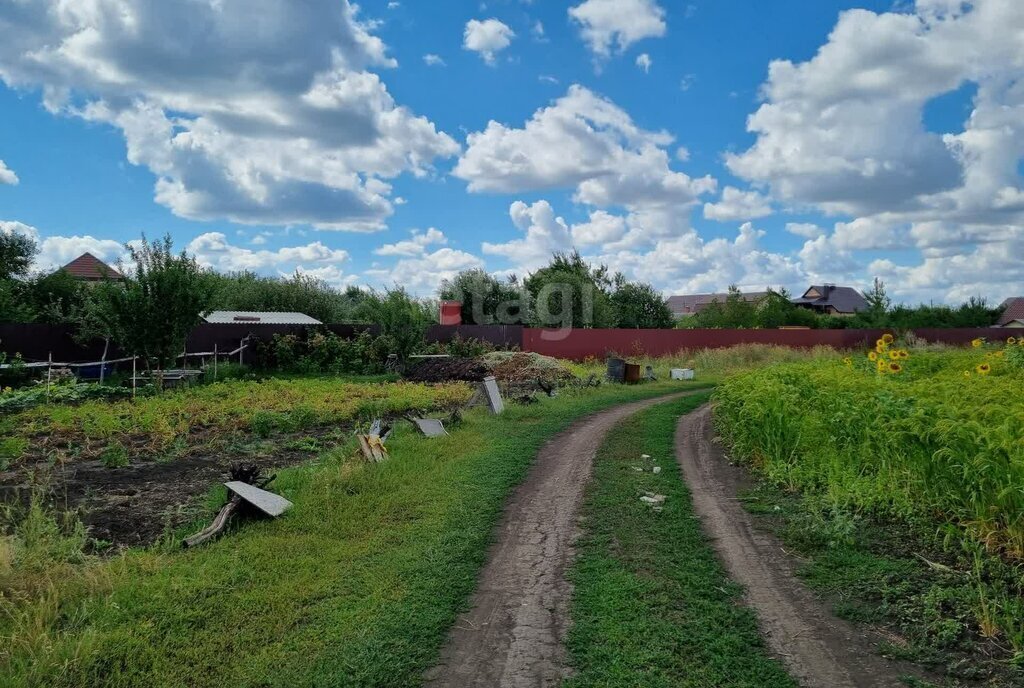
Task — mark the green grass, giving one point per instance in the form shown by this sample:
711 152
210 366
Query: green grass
356 586
652 605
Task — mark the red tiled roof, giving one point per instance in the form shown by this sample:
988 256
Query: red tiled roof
89 267
1014 311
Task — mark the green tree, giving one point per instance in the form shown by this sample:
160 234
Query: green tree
152 312
403 320
17 251
247 291
878 304
639 305
486 300
568 292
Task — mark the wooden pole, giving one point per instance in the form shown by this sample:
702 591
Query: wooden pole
215 362
49 374
134 374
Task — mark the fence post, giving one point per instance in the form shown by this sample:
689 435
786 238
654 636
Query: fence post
241 350
49 373
103 360
134 374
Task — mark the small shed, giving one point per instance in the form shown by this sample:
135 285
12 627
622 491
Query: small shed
259 318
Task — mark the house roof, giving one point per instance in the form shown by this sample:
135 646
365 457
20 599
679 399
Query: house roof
260 318
1013 309
843 299
89 267
686 304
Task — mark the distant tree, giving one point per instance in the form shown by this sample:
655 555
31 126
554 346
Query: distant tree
878 304
247 291
151 313
568 292
54 296
17 251
402 319
486 300
639 305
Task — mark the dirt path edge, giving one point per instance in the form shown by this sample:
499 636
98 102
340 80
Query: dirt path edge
514 633
818 649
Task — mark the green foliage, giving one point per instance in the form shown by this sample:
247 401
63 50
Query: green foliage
461 348
936 444
639 305
402 319
773 310
486 300
60 393
16 253
246 291
321 351
115 455
158 304
568 292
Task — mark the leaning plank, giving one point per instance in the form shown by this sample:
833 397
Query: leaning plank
267 502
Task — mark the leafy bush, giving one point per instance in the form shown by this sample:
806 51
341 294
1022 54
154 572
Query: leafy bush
63 393
325 352
461 348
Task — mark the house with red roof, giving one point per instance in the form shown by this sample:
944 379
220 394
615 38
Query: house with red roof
1013 313
89 268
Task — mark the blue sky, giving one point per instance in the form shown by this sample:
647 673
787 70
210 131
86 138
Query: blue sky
689 144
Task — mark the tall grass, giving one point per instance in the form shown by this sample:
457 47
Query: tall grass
938 444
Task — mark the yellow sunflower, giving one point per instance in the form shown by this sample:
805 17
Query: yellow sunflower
880 345
887 338
984 369
848 361
967 373
977 342
895 367
872 355
904 353
894 355
1011 340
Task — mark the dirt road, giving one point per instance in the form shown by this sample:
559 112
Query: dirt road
818 649
513 636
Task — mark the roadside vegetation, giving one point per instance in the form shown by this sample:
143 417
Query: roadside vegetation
652 605
908 463
361 580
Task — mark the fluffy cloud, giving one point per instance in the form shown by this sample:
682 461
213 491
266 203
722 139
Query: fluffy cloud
258 112
213 250
416 246
487 37
423 273
616 24
644 62
7 175
844 131
433 60
738 205
586 143
544 233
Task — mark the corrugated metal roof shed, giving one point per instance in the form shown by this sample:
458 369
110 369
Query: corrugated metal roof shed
260 318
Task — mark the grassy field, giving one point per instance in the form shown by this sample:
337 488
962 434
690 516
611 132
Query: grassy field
152 425
652 605
930 446
357 585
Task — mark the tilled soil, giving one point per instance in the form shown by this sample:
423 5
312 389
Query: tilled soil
514 634
135 505
818 649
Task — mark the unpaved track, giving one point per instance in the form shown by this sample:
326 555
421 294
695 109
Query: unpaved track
818 649
514 634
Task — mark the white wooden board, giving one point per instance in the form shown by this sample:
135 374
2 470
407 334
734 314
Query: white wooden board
493 395
267 502
430 427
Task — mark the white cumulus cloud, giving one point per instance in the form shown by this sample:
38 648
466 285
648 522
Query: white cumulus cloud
258 112
616 24
7 175
488 37
738 205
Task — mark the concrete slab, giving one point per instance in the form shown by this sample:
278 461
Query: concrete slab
267 502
